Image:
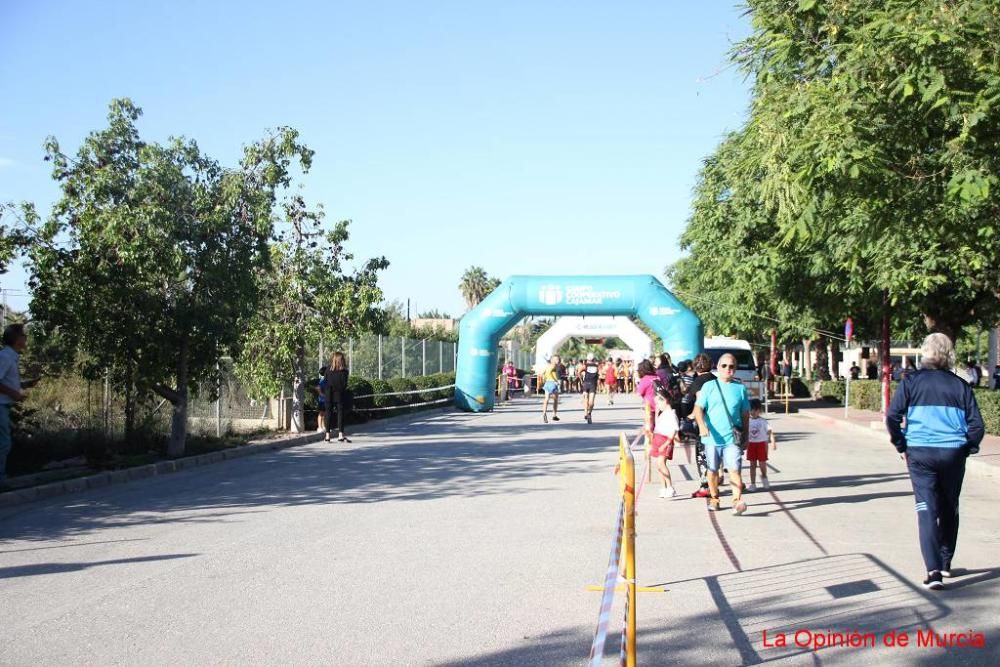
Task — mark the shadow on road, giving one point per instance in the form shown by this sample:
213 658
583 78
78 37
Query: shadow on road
454 454
36 569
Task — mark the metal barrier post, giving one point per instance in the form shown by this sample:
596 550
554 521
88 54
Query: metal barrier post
380 356
423 356
402 354
440 356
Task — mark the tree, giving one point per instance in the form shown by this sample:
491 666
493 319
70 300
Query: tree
147 262
434 314
476 285
307 298
17 230
877 124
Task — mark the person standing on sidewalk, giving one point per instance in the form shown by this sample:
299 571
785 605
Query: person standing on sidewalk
943 427
722 411
15 341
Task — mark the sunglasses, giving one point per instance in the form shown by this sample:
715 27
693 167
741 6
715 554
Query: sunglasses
733 366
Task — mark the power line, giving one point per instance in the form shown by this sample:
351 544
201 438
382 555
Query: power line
821 332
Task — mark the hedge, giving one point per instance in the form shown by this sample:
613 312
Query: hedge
867 395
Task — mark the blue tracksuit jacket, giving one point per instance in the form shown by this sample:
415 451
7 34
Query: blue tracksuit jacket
940 411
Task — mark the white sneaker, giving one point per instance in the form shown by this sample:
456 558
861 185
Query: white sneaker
667 492
764 483
751 488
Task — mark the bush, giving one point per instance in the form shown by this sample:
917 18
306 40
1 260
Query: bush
380 387
401 385
989 406
832 390
360 386
426 382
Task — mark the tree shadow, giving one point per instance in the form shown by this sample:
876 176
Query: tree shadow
457 454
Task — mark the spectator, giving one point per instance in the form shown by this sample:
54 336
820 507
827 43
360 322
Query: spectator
15 341
996 378
336 394
855 371
943 427
321 401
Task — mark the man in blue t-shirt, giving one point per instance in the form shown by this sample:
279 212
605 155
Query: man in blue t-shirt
722 410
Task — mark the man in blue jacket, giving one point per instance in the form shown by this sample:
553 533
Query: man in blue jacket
943 427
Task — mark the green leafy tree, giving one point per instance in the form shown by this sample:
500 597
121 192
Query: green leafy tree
434 314
17 229
147 262
476 285
307 298
877 124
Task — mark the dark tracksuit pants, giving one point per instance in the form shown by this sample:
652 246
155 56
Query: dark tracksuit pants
936 474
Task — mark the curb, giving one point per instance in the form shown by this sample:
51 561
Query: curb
116 477
974 466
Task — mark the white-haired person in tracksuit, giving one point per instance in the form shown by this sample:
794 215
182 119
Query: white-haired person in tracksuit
943 427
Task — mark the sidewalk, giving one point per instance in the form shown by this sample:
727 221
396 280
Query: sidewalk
986 463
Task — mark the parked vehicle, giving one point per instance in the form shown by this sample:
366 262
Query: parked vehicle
746 366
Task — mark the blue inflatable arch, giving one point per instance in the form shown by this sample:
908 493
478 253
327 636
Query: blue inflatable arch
643 297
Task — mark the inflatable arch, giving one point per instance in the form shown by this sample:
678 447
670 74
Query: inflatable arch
593 327
482 327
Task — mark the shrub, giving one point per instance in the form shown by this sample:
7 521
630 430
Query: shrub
360 386
380 387
989 406
401 385
426 382
832 390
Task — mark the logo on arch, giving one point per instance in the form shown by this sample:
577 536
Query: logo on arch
550 295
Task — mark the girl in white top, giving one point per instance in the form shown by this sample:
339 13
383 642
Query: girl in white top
664 435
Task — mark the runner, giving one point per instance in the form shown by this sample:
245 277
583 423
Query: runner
611 380
589 386
550 377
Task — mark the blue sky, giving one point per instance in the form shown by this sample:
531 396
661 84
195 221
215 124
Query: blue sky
524 137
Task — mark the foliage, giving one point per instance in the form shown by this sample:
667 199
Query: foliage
360 386
16 231
476 285
872 147
989 405
306 297
434 314
394 323
146 264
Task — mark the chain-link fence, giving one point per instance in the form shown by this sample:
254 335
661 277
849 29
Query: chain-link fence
379 357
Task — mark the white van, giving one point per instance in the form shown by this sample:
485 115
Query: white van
746 367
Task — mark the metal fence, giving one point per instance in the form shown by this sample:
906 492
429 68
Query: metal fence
380 357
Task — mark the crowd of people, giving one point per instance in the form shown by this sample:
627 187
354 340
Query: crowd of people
686 404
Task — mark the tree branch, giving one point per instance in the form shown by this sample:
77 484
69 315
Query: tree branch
167 393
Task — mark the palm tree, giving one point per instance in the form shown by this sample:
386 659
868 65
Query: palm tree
476 285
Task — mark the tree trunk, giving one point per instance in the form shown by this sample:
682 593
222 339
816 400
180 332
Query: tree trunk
299 388
178 420
834 355
131 399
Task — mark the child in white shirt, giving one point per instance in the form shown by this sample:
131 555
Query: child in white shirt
759 436
665 434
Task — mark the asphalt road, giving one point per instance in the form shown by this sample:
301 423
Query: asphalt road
459 539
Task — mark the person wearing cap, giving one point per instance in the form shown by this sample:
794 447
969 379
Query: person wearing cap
591 371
